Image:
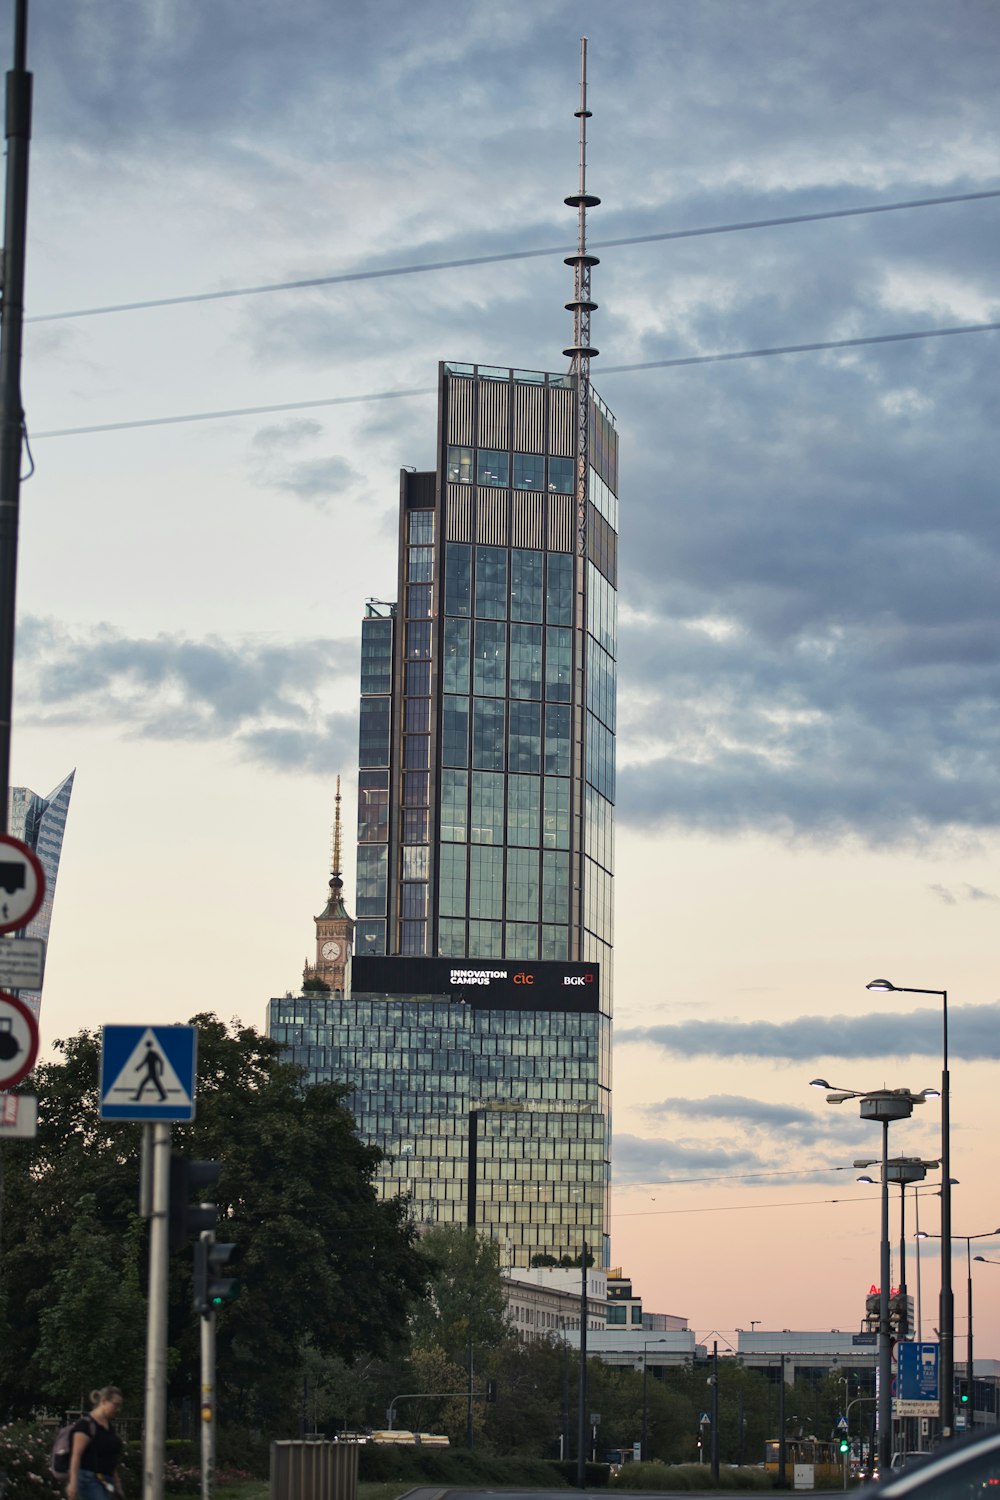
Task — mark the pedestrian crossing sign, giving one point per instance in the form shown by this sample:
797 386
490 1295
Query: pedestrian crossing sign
148 1072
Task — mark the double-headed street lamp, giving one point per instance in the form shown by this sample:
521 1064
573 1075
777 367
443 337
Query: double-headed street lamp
883 1105
986 1234
904 1171
946 1320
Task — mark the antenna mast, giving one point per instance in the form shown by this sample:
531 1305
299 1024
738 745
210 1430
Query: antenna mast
335 869
581 352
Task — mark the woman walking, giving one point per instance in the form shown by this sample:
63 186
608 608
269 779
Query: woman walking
95 1450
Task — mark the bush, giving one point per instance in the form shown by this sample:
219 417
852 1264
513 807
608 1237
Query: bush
655 1476
596 1476
25 1448
381 1462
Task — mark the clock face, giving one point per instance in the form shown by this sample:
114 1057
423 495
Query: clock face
331 950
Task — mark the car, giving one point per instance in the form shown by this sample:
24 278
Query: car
967 1467
904 1460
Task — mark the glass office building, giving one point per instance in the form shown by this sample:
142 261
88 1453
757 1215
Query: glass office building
477 1037
40 822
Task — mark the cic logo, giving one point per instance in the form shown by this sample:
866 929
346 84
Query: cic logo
523 978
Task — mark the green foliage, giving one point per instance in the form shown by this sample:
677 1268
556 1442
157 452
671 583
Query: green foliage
466 1293
670 1477
324 1258
25 1449
451 1467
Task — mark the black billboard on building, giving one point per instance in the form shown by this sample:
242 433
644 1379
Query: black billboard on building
485 984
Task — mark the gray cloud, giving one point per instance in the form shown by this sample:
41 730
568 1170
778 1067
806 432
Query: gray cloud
639 1159
266 699
290 434
963 893
974 1034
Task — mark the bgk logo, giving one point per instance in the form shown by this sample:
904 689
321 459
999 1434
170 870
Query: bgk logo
578 979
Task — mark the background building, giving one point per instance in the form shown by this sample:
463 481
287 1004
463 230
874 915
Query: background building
40 822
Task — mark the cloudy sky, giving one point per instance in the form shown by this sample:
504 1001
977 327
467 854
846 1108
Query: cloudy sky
809 749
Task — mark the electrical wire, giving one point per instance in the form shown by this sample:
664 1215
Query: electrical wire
488 260
732 1208
400 394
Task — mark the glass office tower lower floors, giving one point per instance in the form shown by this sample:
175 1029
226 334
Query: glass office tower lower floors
508 1108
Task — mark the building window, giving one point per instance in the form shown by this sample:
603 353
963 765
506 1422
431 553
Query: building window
557 739
522 885
562 477
555 886
417 680
451 938
526 661
525 585
491 583
457 579
418 600
422 527
558 664
415 825
529 471
616 1316
415 788
487 808
484 939
452 861
420 565
521 940
488 733
373 872
559 594
417 717
455 732
555 818
637 1315
493 467
413 938
416 751
418 640
524 810
459 465
489 675
485 882
373 742
555 943
376 657
525 746
415 861
373 807
414 900
454 798
455 664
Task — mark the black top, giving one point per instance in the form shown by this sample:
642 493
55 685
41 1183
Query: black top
103 1451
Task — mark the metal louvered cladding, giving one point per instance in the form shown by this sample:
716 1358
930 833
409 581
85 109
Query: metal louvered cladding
562 426
460 425
458 524
529 419
494 414
492 517
526 520
561 528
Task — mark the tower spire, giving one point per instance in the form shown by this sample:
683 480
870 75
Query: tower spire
581 351
335 864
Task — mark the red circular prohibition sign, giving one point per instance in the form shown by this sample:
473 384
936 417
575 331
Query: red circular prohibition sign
10 1080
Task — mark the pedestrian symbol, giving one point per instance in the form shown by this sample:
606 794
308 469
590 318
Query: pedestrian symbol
148 1073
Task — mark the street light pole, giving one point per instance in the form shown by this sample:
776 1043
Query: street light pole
946 1321
645 1407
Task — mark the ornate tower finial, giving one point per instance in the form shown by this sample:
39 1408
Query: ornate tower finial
335 865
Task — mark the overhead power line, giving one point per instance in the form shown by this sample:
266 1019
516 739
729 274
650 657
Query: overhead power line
733 1208
487 260
402 394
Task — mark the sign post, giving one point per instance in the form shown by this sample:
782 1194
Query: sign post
148 1074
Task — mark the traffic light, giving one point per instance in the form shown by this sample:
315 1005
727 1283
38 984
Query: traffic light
963 1392
899 1315
210 1289
873 1304
845 1445
186 1219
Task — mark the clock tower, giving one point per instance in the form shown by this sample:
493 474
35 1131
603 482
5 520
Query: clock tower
334 928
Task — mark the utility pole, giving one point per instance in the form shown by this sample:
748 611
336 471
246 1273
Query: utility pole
208 1429
18 131
715 1410
581 1433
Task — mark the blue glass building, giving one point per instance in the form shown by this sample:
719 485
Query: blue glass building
477 1037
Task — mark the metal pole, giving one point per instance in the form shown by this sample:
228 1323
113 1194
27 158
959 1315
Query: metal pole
884 1334
947 1318
781 1483
916 1241
715 1410
581 1434
18 130
970 1371
469 1434
645 1407
208 1418
156 1325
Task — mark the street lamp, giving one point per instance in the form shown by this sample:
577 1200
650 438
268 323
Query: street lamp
904 1171
946 1320
883 1105
645 1407
987 1234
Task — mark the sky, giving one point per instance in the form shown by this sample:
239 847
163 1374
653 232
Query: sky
809 777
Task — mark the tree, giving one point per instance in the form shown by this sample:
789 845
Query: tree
466 1294
324 1259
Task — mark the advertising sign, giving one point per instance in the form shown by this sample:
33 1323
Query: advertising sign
483 983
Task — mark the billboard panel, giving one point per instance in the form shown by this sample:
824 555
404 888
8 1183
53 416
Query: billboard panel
483 983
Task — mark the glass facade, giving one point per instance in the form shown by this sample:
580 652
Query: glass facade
486 796
40 822
434 1081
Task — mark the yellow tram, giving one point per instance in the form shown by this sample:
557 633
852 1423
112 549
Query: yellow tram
824 1457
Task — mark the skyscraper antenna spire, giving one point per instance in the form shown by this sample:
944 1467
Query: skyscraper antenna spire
581 351
335 867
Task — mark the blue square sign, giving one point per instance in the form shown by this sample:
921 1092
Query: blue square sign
918 1371
148 1072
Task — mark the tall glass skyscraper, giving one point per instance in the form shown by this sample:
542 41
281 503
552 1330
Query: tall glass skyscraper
477 1034
40 822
